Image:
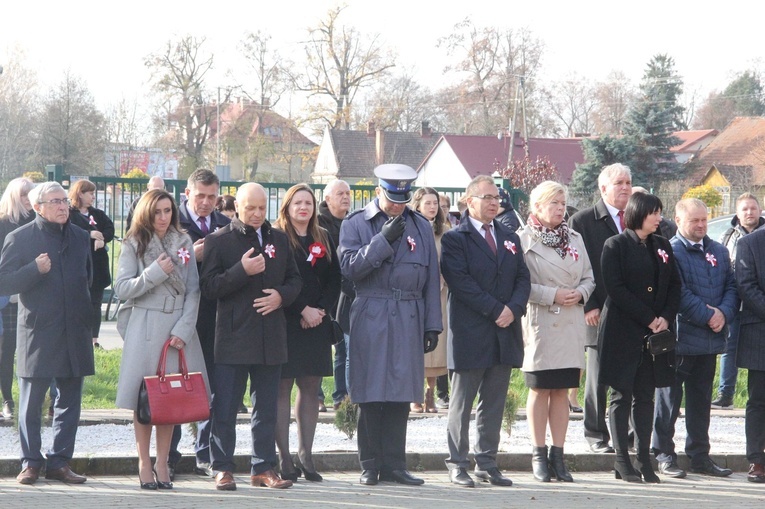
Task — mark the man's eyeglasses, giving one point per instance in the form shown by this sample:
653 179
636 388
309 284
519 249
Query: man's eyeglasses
489 197
57 201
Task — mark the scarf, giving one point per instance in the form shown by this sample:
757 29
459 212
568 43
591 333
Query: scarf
170 245
556 238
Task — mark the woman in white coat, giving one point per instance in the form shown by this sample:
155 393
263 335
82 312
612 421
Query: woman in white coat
553 328
157 277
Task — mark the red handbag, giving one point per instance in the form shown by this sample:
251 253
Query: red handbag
175 398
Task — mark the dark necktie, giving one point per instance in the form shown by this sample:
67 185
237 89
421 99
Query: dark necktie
698 246
621 219
203 225
489 239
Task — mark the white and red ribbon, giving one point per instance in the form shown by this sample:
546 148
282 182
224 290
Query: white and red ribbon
411 242
316 251
573 252
270 250
663 255
184 255
91 221
712 260
510 246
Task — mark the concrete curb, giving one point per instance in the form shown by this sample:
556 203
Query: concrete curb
348 461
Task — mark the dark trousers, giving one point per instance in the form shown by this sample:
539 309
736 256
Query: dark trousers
96 298
66 418
382 435
8 350
595 400
206 331
442 387
755 417
637 401
728 368
341 390
230 380
694 375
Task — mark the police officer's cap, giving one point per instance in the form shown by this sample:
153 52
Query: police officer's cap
396 181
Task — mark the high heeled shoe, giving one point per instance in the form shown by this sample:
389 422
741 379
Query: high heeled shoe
557 466
644 466
291 476
624 470
161 484
309 475
152 485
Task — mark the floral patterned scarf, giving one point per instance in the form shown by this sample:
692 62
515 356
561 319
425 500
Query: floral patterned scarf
556 238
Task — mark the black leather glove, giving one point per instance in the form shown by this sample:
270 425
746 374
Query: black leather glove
393 228
431 341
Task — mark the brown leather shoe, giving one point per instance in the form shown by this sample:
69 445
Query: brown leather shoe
224 481
28 476
65 474
269 479
756 473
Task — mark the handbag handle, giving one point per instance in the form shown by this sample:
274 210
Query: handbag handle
162 365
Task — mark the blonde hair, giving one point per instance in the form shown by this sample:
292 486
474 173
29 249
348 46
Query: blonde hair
10 204
545 192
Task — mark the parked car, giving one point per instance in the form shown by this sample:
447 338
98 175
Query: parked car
717 226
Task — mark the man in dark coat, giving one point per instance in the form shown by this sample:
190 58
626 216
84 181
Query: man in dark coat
489 285
750 277
389 252
249 269
47 262
332 212
708 303
748 218
199 218
596 224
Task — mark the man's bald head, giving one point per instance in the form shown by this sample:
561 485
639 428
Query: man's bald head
251 204
156 182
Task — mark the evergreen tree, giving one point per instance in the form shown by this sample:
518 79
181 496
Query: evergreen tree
598 153
651 122
745 94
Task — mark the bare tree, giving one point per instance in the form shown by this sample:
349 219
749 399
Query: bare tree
492 62
572 102
123 130
72 129
340 62
398 103
613 98
18 111
178 75
268 71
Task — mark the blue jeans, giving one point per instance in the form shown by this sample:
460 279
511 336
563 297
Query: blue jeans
728 369
341 368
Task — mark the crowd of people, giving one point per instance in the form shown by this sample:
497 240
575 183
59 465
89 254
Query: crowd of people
435 309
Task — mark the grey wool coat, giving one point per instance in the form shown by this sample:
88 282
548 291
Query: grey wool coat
153 311
53 335
397 300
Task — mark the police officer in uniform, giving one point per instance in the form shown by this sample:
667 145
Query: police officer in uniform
389 253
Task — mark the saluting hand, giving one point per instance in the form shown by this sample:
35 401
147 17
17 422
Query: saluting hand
165 263
43 263
253 264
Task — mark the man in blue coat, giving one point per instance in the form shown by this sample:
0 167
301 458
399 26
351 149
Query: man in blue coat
708 303
47 262
489 285
389 252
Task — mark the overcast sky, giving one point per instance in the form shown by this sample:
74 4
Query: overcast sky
106 42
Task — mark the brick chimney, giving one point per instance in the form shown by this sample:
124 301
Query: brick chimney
379 147
371 128
425 130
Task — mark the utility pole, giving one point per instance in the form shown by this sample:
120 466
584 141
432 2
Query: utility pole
520 93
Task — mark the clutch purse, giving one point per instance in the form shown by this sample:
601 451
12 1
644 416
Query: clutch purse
172 398
661 342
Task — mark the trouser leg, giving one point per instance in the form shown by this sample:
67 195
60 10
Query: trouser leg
698 398
264 391
31 396
492 394
465 385
228 381
595 400
755 417
66 419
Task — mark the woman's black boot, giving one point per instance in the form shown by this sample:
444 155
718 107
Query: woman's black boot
645 467
558 466
624 469
540 464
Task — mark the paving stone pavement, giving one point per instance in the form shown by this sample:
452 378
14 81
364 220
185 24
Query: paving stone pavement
341 489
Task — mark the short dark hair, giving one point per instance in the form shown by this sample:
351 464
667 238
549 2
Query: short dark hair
640 206
204 177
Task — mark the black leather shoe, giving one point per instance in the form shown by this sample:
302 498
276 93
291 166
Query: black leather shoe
601 448
709 467
494 476
401 477
369 477
460 477
171 471
670 469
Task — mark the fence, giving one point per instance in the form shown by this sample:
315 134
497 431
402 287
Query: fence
116 195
